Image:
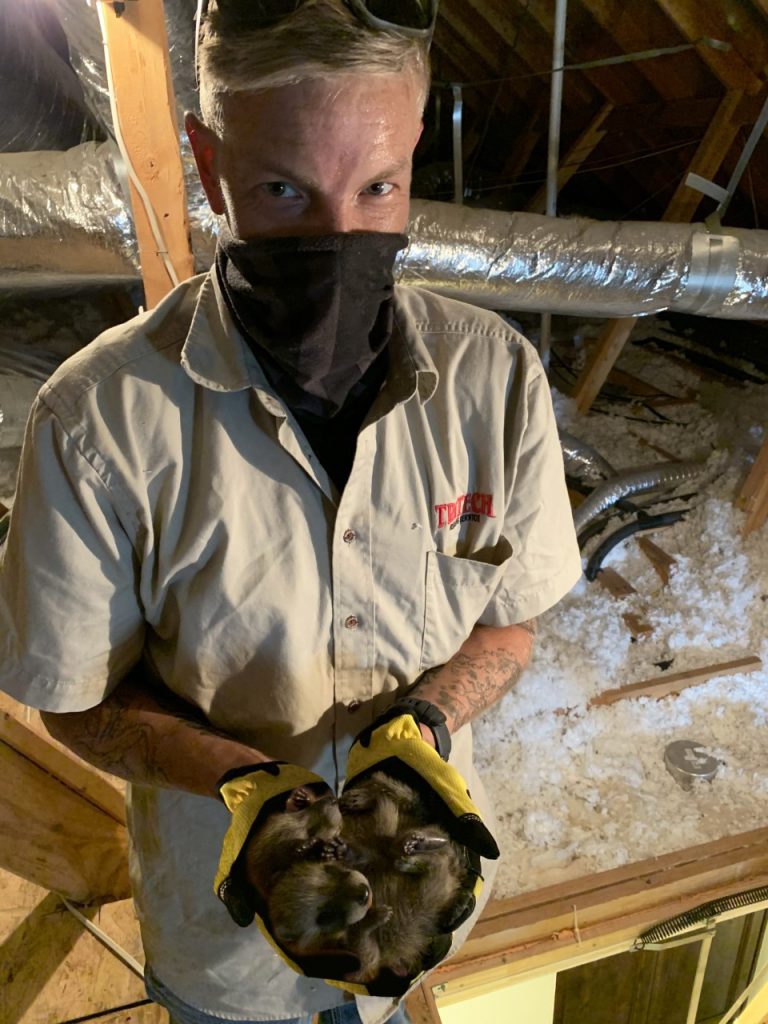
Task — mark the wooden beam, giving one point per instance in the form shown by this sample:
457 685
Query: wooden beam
675 77
753 497
663 563
575 156
56 839
669 683
731 23
712 150
550 925
421 1005
615 584
709 155
600 362
22 729
137 46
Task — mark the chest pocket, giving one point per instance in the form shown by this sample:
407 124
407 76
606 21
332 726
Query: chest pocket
458 591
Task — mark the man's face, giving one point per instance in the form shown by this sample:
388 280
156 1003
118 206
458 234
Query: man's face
313 158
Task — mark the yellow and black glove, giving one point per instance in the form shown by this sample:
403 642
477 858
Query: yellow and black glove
251 794
393 745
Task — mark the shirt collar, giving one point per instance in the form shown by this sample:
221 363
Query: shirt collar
216 355
412 368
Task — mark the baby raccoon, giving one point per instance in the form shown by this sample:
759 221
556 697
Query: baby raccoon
416 872
293 863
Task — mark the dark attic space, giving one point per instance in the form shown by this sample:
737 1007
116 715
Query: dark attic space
595 173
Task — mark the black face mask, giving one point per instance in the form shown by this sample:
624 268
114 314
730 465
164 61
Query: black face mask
316 310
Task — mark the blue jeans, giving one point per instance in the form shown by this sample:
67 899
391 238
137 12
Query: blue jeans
181 1013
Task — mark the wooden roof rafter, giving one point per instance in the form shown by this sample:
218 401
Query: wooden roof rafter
741 67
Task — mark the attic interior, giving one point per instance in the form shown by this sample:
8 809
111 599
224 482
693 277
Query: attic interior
657 366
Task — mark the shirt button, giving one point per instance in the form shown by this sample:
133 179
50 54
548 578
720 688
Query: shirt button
349 536
351 622
353 706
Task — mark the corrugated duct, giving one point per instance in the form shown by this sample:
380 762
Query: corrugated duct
513 261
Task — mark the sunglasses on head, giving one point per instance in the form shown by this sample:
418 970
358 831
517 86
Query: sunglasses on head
414 18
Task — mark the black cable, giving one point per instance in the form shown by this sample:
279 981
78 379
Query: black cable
646 523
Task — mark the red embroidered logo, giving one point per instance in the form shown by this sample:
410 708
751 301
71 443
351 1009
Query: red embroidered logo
467 507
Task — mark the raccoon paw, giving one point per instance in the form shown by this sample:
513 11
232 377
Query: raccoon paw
334 849
356 801
420 842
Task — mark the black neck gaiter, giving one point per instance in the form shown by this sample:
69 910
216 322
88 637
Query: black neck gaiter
316 310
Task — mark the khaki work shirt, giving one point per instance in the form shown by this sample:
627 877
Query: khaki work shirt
169 508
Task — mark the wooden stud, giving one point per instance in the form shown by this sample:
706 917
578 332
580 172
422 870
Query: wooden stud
143 93
669 683
421 1005
712 150
22 729
753 497
56 839
709 156
663 563
580 151
607 350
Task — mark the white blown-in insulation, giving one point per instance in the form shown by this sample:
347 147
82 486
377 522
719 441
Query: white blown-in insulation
580 791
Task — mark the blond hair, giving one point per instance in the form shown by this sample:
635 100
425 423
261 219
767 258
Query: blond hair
322 38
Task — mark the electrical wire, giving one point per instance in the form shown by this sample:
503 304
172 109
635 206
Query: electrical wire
600 62
157 234
585 168
130 962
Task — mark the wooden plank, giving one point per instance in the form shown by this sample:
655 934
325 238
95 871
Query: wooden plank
677 76
753 498
538 927
614 583
745 33
663 452
56 839
663 686
574 157
141 1013
421 1005
22 729
607 350
636 626
712 150
683 204
143 92
52 970
663 563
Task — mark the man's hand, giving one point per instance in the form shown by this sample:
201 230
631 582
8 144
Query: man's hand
486 666
144 733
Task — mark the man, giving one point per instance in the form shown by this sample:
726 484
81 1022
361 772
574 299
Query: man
249 520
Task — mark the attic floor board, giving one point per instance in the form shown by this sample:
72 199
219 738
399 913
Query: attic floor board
52 971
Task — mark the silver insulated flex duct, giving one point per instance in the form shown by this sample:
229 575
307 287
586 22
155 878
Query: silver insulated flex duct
580 267
665 476
512 261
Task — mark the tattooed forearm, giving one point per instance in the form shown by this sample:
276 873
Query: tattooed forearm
486 667
149 736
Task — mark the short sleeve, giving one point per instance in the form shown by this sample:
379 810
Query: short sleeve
544 563
71 625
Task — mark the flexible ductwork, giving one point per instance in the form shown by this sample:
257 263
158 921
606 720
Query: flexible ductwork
515 261
666 476
580 267
582 460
